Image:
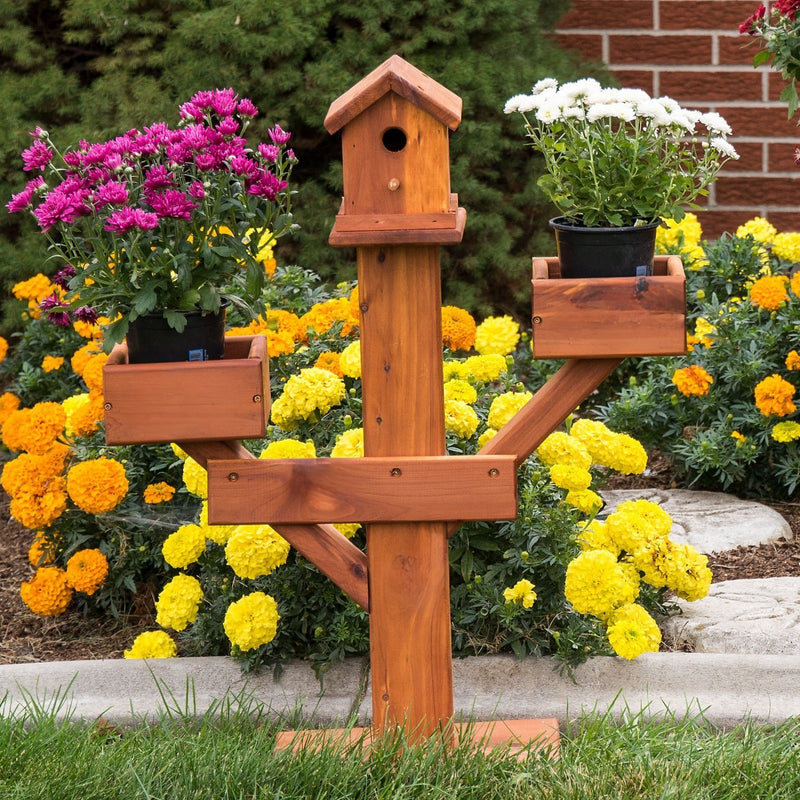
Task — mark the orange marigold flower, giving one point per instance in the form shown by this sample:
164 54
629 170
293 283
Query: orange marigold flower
321 317
52 363
40 506
774 397
793 360
769 292
3 348
43 549
329 361
34 429
86 570
795 283
80 358
8 402
159 492
47 594
692 381
83 418
97 485
93 372
458 328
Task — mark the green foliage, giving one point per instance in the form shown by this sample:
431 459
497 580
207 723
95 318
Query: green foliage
92 68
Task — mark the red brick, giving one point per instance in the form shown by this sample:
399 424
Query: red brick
761 121
750 157
706 14
635 79
737 49
785 221
589 45
739 191
711 86
780 158
715 222
651 49
602 15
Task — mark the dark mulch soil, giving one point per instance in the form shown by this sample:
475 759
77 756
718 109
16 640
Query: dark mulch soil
25 637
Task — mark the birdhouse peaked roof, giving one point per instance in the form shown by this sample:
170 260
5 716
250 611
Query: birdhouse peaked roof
398 76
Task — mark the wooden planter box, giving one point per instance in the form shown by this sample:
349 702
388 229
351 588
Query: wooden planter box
609 317
188 400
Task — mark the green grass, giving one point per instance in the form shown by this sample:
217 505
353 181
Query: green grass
228 755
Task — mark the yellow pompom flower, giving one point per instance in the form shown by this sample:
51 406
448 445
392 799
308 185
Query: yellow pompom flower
155 493
98 485
458 328
505 406
759 228
585 500
195 477
679 237
692 381
305 396
567 476
773 397
595 536
793 360
72 405
786 432
631 531
484 368
786 246
350 360
219 534
289 448
349 444
486 436
521 592
47 594
255 550
347 529
152 644
179 602
562 448
86 570
689 575
626 455
597 584
498 335
184 546
251 621
652 513
52 363
460 418
593 435
769 292
456 389
632 631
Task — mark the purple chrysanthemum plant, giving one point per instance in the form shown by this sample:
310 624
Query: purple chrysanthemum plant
161 219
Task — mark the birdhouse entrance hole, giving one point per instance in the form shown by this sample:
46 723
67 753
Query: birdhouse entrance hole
394 139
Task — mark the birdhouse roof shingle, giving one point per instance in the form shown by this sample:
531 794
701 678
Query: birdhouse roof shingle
398 76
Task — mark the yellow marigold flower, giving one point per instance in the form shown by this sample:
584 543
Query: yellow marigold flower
626 455
774 397
51 363
152 644
43 549
347 529
184 546
786 246
329 361
255 550
179 452
306 396
505 406
349 444
786 432
759 228
98 485
456 389
653 559
567 476
497 335
653 513
678 237
160 492
47 594
179 602
458 328
484 368
595 536
632 631
81 357
3 348
793 360
740 437
486 436
84 415
289 448
216 533
454 370
596 584
692 380
595 437
251 621
460 418
562 448
350 360
585 500
630 530
521 592
689 575
769 292
34 430
86 570
9 402
34 290
71 406
195 477
93 372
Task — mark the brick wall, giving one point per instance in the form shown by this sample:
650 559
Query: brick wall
691 50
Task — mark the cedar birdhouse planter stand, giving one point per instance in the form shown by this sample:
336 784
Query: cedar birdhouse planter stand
397 211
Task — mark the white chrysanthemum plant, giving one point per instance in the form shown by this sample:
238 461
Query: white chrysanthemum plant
618 157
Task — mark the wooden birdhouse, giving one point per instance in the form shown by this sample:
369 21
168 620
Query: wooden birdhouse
395 126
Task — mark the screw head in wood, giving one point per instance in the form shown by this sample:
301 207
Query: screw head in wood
537 320
107 406
494 472
396 472
393 185
256 398
233 476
